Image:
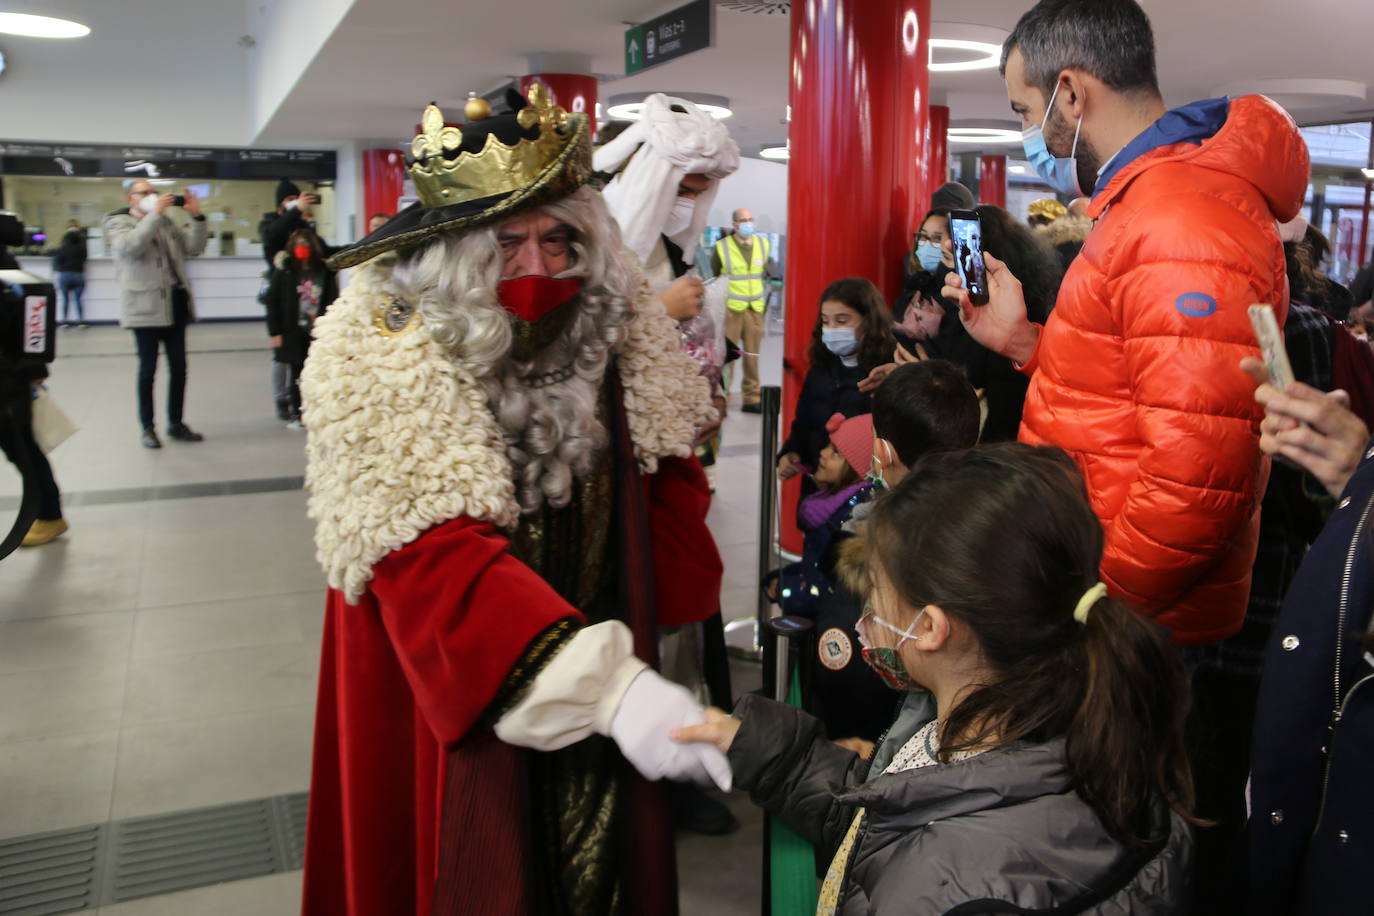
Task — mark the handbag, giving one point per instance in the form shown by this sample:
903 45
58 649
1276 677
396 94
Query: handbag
51 425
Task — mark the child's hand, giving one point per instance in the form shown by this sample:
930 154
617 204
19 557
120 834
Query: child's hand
858 745
718 729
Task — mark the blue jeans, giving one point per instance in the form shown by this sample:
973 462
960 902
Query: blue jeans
72 286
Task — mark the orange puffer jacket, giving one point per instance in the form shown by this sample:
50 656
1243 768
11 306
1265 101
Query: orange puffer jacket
1136 373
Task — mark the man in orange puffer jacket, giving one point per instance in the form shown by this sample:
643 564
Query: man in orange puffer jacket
1135 372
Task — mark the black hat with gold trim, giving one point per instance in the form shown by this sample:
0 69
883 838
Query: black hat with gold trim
489 169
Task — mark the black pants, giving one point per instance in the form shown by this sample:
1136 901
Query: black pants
1225 708
17 442
173 339
295 398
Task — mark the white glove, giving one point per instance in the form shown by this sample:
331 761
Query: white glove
651 708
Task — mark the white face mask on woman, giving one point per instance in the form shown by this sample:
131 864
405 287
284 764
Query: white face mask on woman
680 217
147 203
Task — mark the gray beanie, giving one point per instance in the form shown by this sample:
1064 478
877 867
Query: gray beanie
952 196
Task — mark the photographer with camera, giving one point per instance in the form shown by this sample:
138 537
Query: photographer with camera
149 253
26 346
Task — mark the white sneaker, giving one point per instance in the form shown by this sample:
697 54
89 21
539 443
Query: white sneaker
295 424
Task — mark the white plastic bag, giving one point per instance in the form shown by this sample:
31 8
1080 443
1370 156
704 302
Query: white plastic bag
51 425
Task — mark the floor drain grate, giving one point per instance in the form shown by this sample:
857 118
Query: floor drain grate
71 870
51 872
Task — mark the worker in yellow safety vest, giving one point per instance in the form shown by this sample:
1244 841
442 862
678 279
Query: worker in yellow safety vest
745 260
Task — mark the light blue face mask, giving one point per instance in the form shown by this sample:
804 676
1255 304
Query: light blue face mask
928 255
840 341
1059 172
746 229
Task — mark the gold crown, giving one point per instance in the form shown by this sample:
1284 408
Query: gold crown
442 178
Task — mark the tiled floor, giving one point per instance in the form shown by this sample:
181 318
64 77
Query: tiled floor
163 654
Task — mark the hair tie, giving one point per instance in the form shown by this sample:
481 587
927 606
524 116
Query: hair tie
1085 604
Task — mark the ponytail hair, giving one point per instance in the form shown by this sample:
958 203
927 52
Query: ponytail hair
1003 538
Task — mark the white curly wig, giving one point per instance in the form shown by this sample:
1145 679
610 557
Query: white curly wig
551 433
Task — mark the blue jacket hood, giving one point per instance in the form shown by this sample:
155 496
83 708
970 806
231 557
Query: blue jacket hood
1190 124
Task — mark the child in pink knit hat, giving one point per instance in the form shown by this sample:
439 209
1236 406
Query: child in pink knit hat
845 694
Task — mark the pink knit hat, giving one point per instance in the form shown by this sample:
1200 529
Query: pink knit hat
853 438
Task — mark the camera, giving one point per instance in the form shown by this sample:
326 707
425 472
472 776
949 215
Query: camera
178 200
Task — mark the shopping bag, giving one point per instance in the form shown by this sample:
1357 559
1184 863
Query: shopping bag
51 425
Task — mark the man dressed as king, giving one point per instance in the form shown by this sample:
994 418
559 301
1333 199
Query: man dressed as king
507 508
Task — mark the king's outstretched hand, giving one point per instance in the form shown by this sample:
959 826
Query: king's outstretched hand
653 707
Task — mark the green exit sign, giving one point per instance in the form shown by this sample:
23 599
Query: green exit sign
685 30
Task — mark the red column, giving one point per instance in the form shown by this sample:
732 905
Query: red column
856 177
573 91
992 181
384 179
937 147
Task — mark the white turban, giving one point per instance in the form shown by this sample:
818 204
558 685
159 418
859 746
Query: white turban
671 144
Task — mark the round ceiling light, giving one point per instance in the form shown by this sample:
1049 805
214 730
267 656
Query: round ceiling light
983 135
992 54
633 111
32 26
629 106
776 153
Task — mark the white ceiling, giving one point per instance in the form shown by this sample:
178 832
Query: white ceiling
150 72
171 71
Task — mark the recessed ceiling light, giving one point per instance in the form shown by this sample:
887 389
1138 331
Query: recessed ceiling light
633 111
776 153
1017 169
983 135
33 26
629 106
992 54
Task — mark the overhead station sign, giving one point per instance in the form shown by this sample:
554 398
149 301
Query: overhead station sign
24 158
685 30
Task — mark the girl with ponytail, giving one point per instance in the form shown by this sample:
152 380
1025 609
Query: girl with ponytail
1037 763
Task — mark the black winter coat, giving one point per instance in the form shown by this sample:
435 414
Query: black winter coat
830 387
1311 826
844 693
284 311
71 256
1003 832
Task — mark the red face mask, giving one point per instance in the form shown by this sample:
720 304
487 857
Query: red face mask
302 252
531 298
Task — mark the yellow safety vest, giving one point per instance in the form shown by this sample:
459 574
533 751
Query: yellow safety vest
747 288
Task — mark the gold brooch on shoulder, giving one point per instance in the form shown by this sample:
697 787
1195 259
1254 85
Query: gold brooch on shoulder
394 317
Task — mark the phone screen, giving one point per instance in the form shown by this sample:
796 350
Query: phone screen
966 234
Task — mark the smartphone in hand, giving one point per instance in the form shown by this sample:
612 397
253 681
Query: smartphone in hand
1271 345
966 233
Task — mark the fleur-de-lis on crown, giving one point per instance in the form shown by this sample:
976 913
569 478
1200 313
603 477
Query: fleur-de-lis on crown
542 110
435 139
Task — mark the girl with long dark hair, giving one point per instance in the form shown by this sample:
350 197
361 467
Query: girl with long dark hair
852 336
302 288
1038 762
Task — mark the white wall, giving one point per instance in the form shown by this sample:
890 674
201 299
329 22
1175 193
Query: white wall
759 185
288 35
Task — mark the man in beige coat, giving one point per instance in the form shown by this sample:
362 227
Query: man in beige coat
150 252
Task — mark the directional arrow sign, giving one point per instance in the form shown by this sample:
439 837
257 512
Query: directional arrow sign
670 36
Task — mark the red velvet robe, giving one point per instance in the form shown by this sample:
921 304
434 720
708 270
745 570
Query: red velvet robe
405 675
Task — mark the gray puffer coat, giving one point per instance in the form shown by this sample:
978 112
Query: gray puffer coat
1002 832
